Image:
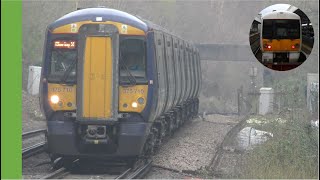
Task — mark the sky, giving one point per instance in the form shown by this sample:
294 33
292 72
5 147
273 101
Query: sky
275 7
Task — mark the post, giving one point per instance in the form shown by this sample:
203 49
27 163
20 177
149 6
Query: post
266 100
34 79
239 96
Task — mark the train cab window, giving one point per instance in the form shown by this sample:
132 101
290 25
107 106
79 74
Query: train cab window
63 61
281 29
132 57
267 29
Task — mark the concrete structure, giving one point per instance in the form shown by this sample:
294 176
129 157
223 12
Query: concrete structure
225 52
312 92
266 100
34 79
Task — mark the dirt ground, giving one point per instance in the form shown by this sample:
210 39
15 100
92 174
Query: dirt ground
32 117
192 148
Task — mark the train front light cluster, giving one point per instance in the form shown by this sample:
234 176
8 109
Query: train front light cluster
134 104
54 99
140 101
295 46
267 46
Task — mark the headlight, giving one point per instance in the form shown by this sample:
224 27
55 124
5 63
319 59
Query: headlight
54 99
134 104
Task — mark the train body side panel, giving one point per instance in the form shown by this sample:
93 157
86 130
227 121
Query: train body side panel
186 72
153 89
194 80
183 74
161 72
195 73
170 71
177 71
188 69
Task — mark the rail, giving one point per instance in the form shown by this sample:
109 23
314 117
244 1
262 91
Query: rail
32 150
33 133
129 173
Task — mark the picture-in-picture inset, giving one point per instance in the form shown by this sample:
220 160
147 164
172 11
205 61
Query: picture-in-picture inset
281 37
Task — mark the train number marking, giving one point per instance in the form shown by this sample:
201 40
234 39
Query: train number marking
61 89
97 76
133 91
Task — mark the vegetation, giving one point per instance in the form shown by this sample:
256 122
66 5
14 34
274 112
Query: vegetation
293 150
291 153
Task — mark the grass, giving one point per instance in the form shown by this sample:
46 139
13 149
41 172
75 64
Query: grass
292 153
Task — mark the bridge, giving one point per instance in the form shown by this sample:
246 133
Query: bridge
225 52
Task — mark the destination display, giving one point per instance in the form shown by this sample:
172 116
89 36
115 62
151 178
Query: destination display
62 44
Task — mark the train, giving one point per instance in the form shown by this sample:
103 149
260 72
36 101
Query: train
114 86
280 37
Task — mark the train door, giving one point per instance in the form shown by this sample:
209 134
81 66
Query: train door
186 72
181 69
161 72
97 86
170 71
177 70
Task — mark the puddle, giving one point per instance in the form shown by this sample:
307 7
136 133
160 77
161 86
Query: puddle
249 137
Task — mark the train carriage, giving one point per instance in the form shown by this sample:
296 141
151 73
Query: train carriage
114 85
281 37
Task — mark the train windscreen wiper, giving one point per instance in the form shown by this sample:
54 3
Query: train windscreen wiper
131 78
68 71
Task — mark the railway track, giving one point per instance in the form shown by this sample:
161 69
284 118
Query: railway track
35 148
129 173
255 43
33 133
58 174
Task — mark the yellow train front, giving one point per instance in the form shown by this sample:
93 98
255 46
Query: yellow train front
280 38
114 85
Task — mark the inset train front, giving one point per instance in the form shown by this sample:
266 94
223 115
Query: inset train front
113 85
280 37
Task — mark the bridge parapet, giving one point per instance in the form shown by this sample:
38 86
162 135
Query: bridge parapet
225 52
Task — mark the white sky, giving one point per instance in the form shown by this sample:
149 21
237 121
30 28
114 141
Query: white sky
275 7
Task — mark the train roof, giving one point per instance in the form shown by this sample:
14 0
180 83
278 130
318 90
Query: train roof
280 15
90 14
107 14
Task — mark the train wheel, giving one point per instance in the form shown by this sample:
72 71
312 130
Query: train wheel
183 115
178 118
195 109
132 163
158 134
171 123
53 157
149 146
58 162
